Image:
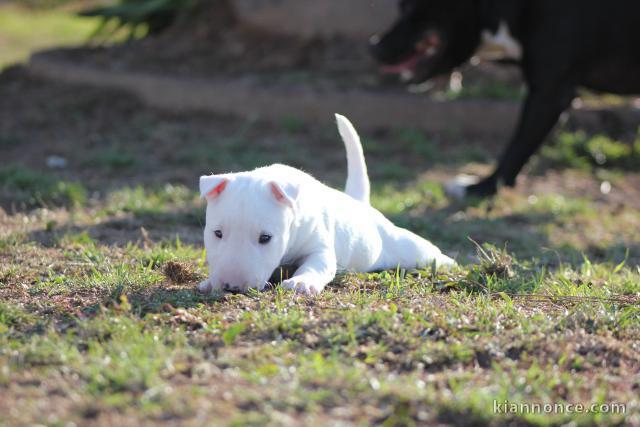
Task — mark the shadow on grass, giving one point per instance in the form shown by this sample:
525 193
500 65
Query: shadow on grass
523 235
161 298
133 228
450 228
170 295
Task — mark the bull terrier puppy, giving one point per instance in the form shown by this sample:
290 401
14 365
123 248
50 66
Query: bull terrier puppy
277 215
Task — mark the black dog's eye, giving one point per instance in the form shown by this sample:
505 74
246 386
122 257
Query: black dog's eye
218 234
264 239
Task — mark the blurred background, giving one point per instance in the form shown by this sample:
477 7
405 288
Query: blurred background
112 109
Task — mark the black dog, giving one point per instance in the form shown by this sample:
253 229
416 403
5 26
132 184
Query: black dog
560 45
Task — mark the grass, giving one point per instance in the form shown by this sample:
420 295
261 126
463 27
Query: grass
141 201
588 152
115 159
387 348
136 341
25 30
28 187
101 322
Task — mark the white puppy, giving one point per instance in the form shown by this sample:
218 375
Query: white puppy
277 215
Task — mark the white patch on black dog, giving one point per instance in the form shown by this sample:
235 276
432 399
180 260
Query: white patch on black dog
457 187
499 45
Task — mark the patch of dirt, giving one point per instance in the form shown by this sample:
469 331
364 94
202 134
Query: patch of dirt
212 44
86 126
238 52
178 272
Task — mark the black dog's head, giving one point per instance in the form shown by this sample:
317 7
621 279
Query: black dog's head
430 37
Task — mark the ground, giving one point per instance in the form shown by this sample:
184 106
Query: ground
101 250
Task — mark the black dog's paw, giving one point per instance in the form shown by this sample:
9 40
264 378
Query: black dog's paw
468 187
486 188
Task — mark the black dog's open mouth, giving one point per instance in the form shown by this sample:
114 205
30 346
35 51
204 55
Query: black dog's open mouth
425 48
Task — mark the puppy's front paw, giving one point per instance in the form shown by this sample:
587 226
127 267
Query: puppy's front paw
303 286
205 286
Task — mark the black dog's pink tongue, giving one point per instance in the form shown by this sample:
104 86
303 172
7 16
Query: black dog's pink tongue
407 65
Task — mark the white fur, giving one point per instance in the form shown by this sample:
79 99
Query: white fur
500 44
357 185
457 187
314 226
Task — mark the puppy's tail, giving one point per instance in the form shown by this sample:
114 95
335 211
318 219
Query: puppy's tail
357 185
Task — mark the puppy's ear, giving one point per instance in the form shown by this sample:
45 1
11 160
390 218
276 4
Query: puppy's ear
287 194
212 186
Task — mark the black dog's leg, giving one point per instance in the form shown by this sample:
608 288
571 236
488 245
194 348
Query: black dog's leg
541 111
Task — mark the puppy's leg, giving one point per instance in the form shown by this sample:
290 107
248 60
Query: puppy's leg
408 250
208 285
205 286
315 272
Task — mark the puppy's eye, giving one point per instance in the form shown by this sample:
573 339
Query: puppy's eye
218 234
264 239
